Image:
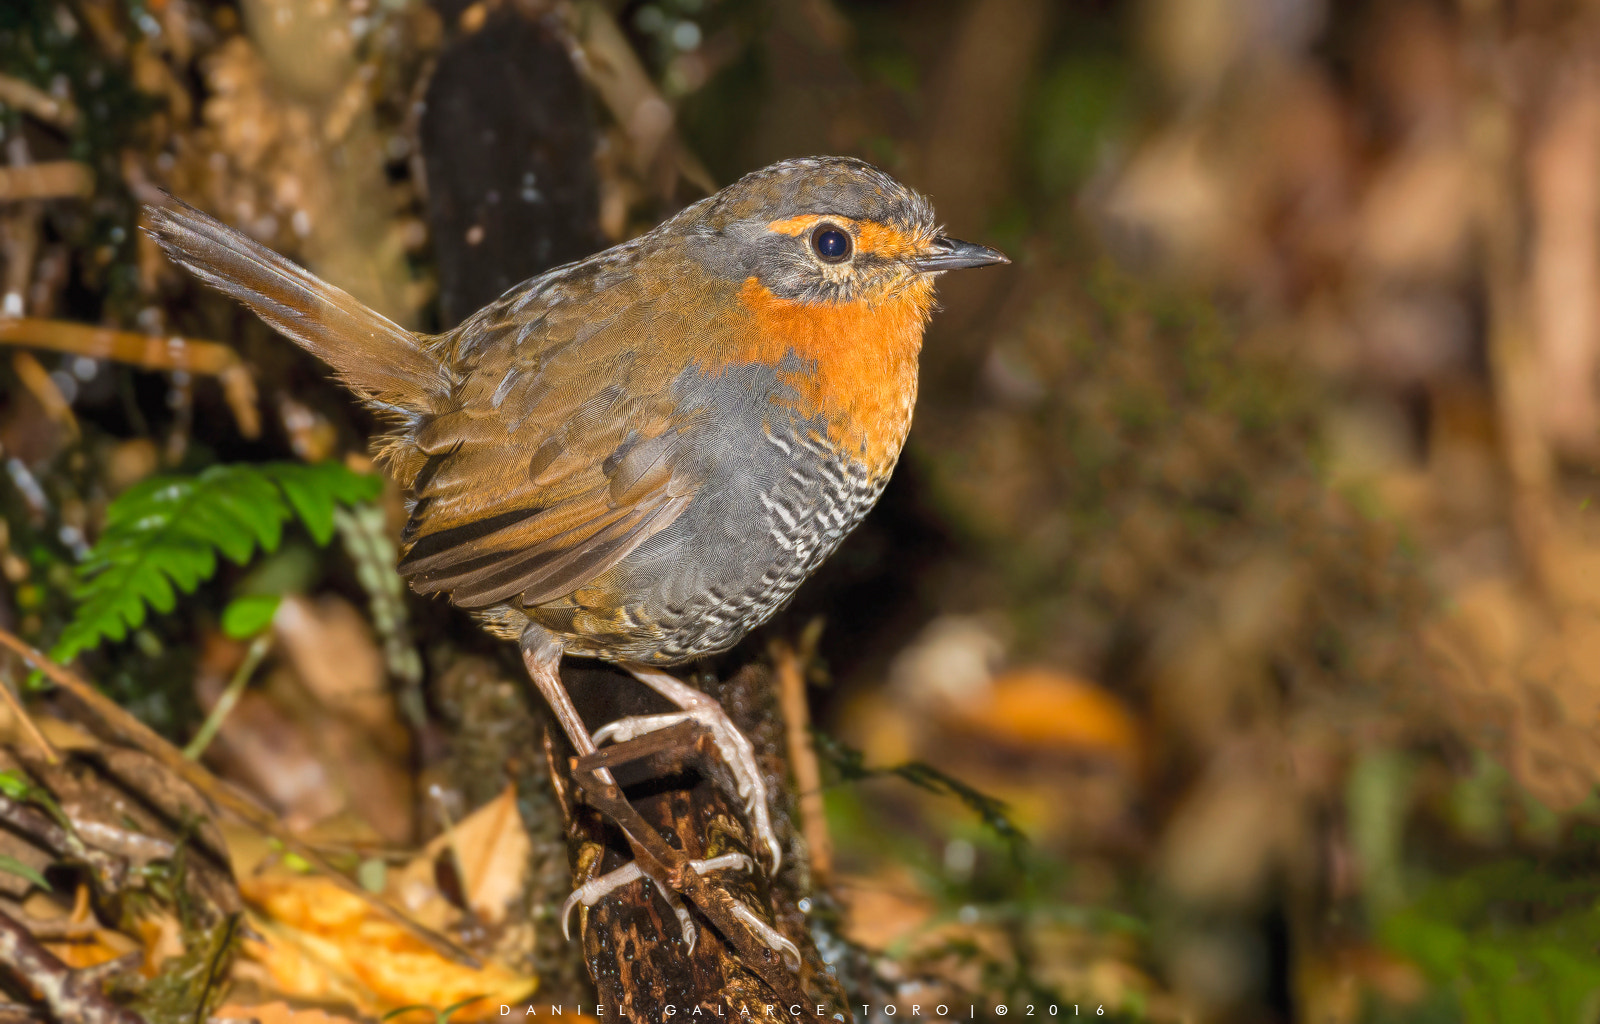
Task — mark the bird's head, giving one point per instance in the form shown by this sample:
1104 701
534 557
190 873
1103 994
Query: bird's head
829 230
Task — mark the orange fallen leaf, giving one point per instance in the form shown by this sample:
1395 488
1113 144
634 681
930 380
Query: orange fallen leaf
1045 708
277 1013
322 943
92 945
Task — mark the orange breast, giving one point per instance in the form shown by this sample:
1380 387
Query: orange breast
860 361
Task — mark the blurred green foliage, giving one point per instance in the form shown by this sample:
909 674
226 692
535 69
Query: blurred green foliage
1512 941
161 537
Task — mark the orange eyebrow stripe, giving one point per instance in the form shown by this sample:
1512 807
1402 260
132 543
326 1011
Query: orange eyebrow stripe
878 239
800 225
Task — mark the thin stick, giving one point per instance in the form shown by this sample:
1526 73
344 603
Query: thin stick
45 391
230 697
29 726
803 759
145 351
29 98
224 795
53 179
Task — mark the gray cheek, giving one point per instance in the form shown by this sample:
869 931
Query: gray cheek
746 249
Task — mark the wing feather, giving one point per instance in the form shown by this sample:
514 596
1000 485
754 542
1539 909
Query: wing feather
562 448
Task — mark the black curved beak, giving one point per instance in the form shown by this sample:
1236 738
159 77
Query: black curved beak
954 254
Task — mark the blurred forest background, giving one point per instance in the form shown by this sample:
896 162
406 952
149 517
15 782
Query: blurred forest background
1245 547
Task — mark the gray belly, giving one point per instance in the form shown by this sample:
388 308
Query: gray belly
747 556
778 499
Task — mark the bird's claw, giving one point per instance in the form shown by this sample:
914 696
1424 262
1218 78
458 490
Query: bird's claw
596 889
735 750
769 935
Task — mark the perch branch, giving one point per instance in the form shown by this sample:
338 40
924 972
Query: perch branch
662 861
671 817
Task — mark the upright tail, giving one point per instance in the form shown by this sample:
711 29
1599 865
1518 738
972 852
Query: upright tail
378 359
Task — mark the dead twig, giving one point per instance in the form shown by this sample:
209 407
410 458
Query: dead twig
19 237
62 929
34 101
37 380
787 665
612 66
70 995
147 352
46 749
55 835
53 179
222 794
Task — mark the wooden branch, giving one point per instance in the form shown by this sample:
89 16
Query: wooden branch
661 861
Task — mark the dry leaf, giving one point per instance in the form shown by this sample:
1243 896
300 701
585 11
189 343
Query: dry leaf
884 909
320 736
322 943
334 654
1046 708
276 1013
492 851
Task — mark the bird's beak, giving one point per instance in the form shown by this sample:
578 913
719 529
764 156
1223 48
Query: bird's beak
954 254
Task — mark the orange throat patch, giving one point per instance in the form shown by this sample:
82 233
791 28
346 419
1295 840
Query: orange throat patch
861 361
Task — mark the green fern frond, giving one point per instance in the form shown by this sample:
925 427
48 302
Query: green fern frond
162 536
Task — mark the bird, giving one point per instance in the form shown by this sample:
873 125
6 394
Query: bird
639 456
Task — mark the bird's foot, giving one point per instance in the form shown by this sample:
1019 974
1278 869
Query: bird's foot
731 744
596 889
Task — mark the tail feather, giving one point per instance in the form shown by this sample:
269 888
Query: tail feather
377 358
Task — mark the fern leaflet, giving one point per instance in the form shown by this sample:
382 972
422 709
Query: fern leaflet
162 537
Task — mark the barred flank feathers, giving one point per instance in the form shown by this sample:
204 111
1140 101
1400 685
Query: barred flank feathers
377 358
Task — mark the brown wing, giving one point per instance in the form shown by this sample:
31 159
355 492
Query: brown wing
562 451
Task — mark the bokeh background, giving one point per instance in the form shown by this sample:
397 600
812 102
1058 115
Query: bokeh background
1244 549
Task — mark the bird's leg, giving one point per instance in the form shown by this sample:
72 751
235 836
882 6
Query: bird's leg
731 744
541 653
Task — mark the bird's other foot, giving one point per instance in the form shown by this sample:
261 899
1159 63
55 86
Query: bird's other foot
735 750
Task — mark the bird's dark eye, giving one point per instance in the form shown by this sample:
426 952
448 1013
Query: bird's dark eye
831 244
